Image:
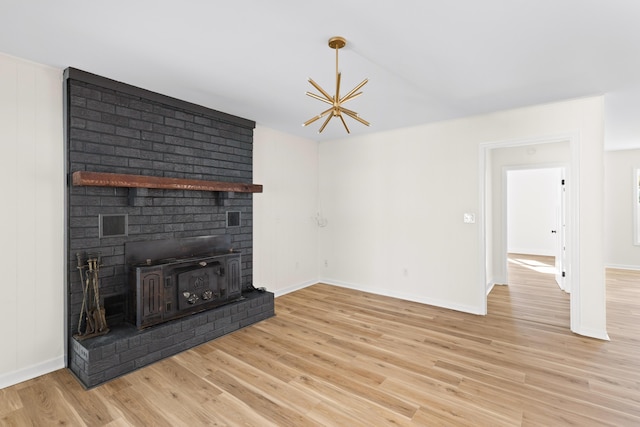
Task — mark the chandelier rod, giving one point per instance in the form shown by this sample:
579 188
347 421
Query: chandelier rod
337 48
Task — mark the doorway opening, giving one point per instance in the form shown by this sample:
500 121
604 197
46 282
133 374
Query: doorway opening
535 218
555 151
533 293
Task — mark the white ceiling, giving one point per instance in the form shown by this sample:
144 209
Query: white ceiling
427 60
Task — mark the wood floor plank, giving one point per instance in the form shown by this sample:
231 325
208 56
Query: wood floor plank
257 358
334 356
564 407
398 359
427 416
293 338
327 414
136 409
20 417
166 399
256 380
87 404
9 400
46 403
423 393
237 413
544 416
260 403
351 384
359 407
456 414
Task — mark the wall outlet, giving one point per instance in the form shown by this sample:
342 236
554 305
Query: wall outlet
469 218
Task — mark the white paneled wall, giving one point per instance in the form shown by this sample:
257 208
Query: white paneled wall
285 233
31 220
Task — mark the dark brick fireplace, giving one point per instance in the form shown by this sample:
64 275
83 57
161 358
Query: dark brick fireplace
115 128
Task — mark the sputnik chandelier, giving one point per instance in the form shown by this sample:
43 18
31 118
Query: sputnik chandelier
336 102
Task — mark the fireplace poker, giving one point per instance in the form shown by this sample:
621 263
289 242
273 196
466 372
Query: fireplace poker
90 327
98 313
84 292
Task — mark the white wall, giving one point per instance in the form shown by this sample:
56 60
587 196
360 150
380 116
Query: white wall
620 252
31 221
622 128
395 203
285 234
532 200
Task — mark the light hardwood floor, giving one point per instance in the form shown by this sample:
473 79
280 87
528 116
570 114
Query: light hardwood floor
334 356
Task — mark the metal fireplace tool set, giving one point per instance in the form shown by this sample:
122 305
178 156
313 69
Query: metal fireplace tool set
92 321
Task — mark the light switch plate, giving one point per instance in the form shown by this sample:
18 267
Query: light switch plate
469 218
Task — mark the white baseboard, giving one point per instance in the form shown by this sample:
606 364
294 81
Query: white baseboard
292 288
489 287
408 297
623 267
593 333
24 374
530 251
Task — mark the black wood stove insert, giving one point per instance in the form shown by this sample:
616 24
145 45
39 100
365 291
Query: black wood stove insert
169 279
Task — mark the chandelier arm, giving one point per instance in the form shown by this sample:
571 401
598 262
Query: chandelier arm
344 123
325 122
354 96
322 91
355 116
319 98
346 110
354 90
319 116
311 120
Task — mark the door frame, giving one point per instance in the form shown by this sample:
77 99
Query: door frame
572 217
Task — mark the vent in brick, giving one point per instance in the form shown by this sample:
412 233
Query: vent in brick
113 225
233 219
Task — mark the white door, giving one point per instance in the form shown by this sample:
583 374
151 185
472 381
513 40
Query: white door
560 233
535 212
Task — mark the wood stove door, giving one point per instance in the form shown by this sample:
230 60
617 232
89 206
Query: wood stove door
233 276
151 291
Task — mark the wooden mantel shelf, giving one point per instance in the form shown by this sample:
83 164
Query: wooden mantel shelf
99 179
